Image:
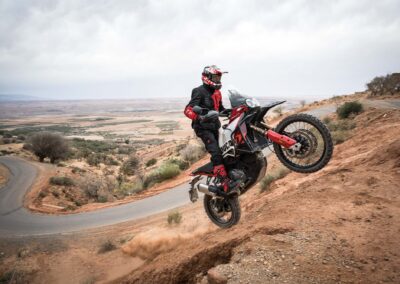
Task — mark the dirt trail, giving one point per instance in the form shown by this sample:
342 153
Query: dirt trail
337 225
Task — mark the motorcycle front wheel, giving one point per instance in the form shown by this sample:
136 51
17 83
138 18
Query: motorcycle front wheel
223 212
314 148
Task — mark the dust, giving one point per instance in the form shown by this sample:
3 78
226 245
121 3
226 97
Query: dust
148 245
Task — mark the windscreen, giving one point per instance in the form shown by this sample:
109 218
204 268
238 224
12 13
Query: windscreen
236 98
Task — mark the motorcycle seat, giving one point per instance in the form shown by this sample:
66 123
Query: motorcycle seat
206 169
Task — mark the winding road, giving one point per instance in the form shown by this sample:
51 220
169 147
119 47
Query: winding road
15 220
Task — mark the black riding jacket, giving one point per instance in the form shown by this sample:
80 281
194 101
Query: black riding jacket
210 99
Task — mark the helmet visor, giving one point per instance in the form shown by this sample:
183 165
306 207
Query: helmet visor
216 78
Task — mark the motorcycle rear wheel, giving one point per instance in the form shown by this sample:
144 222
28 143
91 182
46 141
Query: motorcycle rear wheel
217 208
314 136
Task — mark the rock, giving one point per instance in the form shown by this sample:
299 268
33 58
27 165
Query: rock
215 277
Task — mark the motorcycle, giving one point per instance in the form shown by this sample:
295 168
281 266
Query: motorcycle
301 142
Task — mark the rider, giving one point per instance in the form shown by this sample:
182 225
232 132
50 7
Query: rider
208 97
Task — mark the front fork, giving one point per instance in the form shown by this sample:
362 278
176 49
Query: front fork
275 137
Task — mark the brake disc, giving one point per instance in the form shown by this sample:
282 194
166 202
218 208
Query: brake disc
308 143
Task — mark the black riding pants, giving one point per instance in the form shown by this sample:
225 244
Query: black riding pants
210 140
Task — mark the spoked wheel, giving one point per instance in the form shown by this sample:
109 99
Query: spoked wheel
224 212
314 146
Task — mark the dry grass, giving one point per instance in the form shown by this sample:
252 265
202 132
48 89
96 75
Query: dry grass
273 176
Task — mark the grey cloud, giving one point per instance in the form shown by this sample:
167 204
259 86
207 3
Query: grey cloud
289 48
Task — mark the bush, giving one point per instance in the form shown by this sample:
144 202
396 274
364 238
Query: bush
94 159
164 172
102 199
110 161
92 146
6 140
348 108
183 165
273 176
167 171
107 246
192 153
129 188
130 166
21 137
95 186
326 120
339 136
151 162
174 217
46 144
66 181
124 150
77 170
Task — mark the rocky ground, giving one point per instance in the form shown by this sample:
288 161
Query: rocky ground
337 225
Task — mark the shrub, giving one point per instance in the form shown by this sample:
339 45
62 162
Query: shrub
21 137
192 153
273 176
339 136
130 166
94 159
183 165
110 161
27 147
327 120
7 140
129 188
124 150
67 181
102 199
93 146
151 162
303 103
46 144
174 217
7 135
77 170
348 108
166 171
107 246
94 186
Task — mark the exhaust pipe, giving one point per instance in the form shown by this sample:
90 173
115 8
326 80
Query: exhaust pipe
204 189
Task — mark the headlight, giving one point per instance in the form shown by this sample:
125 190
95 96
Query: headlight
252 103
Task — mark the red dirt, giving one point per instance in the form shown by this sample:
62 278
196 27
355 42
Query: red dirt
340 224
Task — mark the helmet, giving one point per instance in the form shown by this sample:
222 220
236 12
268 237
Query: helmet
211 76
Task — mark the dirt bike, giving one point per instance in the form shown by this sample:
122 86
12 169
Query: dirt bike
301 142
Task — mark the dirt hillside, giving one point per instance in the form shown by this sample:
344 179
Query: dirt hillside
337 225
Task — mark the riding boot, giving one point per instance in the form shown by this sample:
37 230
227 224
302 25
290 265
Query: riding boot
220 171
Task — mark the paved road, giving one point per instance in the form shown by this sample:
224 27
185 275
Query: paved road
17 221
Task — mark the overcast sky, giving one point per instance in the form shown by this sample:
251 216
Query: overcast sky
136 49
